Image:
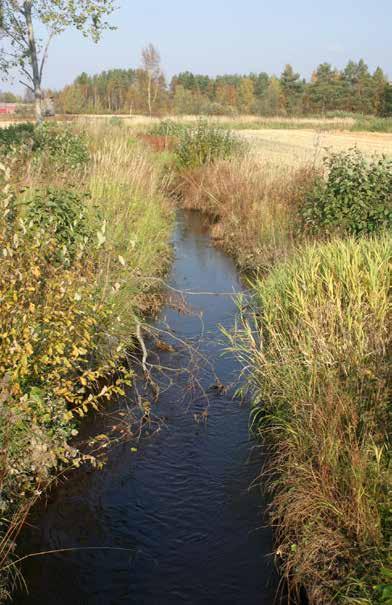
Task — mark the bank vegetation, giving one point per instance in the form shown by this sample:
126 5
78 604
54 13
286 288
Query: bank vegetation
84 232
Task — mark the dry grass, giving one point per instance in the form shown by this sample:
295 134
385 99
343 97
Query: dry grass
298 147
126 186
252 207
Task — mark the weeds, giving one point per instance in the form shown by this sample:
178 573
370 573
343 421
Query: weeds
205 144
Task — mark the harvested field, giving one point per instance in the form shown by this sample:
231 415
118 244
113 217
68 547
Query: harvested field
293 147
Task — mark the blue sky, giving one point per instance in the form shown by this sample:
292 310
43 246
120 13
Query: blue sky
221 36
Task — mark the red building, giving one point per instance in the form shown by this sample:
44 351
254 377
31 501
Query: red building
7 108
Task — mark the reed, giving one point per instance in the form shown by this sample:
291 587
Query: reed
317 350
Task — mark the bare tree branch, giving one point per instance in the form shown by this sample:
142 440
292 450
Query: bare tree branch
45 53
27 85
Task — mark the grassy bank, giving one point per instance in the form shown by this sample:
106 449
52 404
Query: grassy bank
252 208
318 353
84 232
316 350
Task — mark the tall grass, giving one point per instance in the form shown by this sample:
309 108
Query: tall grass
318 359
126 198
252 206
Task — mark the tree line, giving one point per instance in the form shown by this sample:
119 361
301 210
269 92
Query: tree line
145 90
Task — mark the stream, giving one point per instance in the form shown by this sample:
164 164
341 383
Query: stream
180 507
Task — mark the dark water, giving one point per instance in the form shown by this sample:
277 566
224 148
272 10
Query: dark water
181 504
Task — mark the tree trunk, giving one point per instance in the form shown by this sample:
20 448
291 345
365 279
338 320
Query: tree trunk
149 82
34 62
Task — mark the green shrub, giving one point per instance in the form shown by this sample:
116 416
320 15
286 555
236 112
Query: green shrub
62 147
50 144
62 214
355 198
372 124
204 144
168 128
116 121
15 135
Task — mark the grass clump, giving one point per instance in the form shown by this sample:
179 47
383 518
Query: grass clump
354 197
134 222
319 358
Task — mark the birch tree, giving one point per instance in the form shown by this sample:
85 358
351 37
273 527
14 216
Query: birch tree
23 50
151 64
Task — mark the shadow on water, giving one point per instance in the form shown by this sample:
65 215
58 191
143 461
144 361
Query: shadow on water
182 503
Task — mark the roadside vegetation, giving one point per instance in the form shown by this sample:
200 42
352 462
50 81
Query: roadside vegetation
316 244
84 231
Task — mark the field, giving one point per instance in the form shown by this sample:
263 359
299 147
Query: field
299 146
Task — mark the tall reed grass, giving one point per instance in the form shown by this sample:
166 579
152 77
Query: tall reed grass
317 350
133 221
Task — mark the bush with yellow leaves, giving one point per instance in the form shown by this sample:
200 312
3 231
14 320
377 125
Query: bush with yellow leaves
52 322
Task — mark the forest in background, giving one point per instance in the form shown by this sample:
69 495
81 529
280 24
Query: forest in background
145 90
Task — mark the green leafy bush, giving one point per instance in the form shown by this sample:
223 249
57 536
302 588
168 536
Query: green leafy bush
62 214
63 147
50 144
15 135
204 144
168 128
355 198
116 121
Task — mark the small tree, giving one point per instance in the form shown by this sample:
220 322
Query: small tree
292 89
151 64
27 53
246 95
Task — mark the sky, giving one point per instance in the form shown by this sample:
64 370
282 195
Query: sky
231 36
